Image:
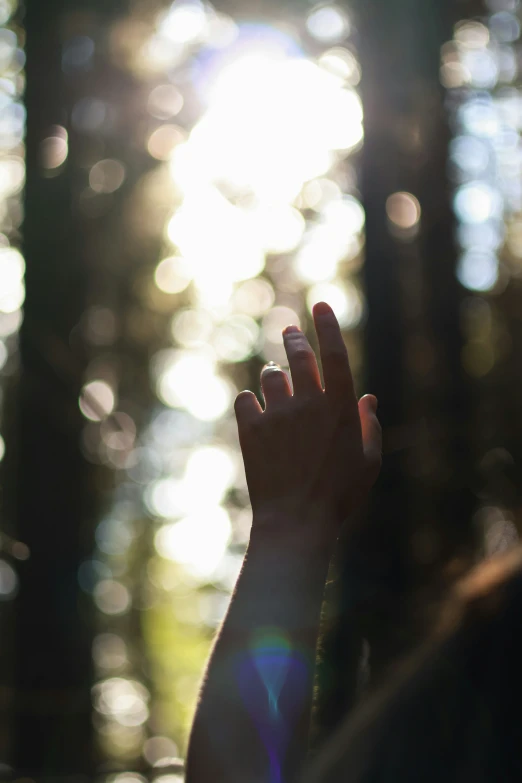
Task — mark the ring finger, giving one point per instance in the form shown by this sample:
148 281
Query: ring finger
274 384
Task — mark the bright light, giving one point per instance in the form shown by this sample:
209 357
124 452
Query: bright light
109 651
191 328
12 290
184 23
198 541
471 35
236 338
164 140
335 238
237 141
172 498
107 176
480 117
97 400
343 64
54 149
219 469
159 751
159 53
111 597
213 292
485 236
122 700
254 297
403 210
470 154
280 229
165 101
119 432
276 320
346 216
478 270
173 274
12 175
505 26
226 247
344 299
319 256
482 67
10 322
328 23
318 193
127 777
167 498
476 202
189 381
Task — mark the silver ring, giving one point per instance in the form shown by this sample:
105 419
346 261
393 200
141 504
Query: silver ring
271 367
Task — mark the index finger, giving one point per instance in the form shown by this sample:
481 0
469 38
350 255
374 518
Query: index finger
338 379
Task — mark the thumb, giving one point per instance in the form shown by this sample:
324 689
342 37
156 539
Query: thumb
371 436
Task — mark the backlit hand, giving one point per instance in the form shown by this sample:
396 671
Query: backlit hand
316 450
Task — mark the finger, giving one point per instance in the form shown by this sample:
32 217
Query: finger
371 436
247 409
338 379
275 384
303 364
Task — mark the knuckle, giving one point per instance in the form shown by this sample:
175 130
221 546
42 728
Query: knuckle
309 405
302 354
273 377
337 355
277 414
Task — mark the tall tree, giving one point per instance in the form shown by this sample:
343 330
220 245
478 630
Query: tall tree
55 497
53 721
422 507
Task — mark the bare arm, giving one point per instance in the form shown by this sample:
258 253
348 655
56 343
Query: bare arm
310 459
252 720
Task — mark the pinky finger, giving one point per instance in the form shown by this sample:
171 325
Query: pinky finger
247 409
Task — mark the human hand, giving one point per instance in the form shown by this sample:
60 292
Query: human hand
313 455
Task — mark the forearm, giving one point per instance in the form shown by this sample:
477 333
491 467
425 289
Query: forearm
252 720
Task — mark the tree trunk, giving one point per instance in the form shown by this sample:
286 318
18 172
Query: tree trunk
53 728
420 515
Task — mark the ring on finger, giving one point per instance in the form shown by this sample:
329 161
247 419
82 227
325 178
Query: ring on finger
271 367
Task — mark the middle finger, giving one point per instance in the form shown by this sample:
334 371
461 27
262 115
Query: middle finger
302 362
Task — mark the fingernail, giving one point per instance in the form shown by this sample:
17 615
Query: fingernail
373 402
270 367
291 328
322 309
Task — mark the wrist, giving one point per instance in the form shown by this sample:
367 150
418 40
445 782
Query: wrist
313 530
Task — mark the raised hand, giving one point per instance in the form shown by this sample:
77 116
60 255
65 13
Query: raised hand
310 457
313 454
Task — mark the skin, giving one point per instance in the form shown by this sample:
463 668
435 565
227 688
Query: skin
310 458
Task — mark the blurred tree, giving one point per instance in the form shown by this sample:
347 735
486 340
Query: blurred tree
53 722
55 498
421 513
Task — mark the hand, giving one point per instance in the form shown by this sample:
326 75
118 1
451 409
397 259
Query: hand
314 454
